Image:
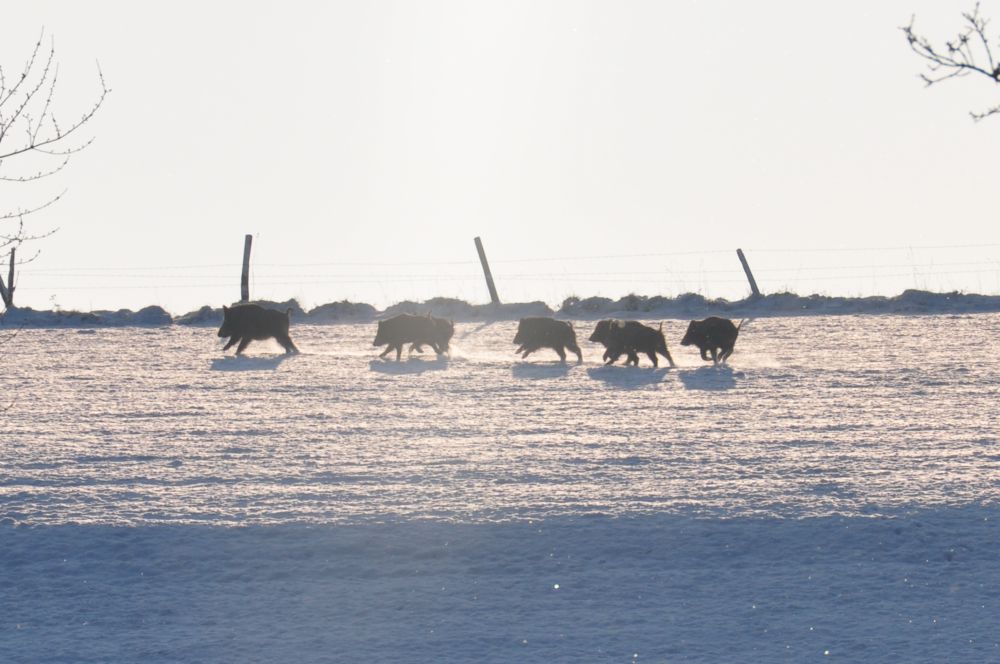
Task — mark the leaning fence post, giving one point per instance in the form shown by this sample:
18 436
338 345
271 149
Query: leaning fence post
7 293
10 279
486 271
245 277
746 268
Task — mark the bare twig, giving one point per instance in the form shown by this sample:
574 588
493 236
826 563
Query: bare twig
967 53
36 176
28 124
31 114
22 212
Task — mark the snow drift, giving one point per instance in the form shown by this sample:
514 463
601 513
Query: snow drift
689 305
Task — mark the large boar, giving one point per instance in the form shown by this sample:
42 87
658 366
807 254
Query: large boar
244 323
416 330
630 337
537 332
713 335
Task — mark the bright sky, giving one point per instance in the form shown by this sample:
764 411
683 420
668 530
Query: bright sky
365 144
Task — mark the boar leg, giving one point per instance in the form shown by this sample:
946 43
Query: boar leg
286 341
243 345
232 342
562 353
399 351
388 349
612 354
715 355
704 353
652 358
669 359
576 349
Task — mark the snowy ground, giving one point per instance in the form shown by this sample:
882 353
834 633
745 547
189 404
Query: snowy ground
831 496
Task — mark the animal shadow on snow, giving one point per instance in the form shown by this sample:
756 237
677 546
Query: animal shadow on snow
714 378
410 366
539 371
245 363
627 378
478 329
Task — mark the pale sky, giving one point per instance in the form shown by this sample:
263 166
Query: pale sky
365 144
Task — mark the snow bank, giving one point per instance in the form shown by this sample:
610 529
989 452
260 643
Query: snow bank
342 312
686 306
692 305
27 317
333 312
445 307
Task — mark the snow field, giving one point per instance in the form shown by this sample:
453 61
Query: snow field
831 495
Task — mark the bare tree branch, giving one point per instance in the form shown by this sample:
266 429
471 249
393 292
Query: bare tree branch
5 94
40 129
21 213
36 176
968 53
28 124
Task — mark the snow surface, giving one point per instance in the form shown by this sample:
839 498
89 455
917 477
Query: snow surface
832 495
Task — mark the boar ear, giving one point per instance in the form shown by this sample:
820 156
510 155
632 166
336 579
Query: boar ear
225 308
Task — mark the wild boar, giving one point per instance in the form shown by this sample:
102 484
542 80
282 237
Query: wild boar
631 337
538 332
416 330
713 335
244 323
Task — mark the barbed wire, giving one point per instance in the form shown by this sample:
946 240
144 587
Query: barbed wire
465 276
835 271
469 278
237 265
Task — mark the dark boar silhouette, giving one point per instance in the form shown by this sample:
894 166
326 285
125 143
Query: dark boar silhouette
539 332
713 335
415 330
630 337
244 323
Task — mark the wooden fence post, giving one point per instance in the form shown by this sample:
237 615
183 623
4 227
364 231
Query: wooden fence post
746 268
10 278
245 278
486 271
7 290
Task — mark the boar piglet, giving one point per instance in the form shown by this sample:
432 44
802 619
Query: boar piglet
404 329
538 332
244 323
630 337
713 335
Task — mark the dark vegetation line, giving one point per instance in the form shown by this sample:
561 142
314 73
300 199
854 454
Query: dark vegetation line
690 305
